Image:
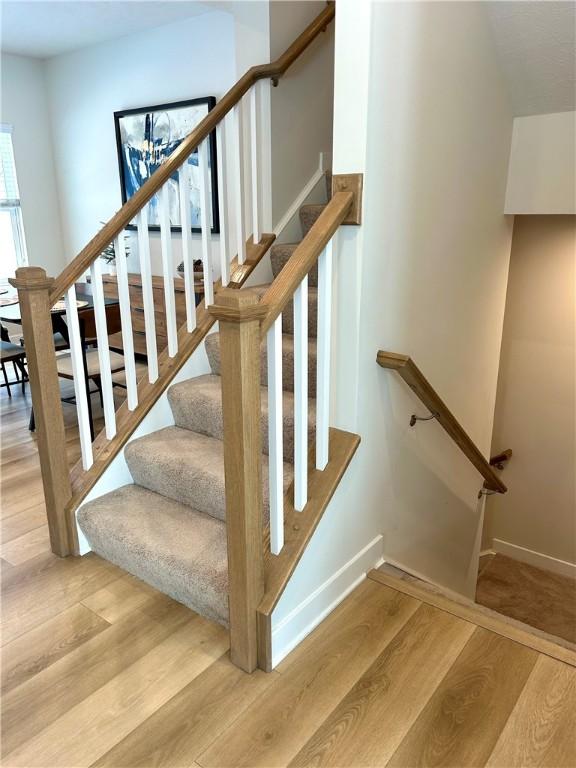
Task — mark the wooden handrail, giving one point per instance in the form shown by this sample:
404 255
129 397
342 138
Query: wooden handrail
304 257
129 210
418 383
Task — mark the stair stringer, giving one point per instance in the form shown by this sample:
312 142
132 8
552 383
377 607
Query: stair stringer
299 529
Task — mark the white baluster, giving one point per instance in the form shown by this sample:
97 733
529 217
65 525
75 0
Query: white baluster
103 349
222 201
275 436
301 395
126 322
239 183
76 357
254 158
168 271
147 295
185 220
323 355
205 206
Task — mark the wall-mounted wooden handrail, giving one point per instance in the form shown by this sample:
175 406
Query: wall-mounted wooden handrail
126 214
305 257
418 383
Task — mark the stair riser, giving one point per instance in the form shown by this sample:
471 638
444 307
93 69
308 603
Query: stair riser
288 316
213 352
309 215
198 410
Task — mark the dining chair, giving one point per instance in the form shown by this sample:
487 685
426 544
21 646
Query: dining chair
12 353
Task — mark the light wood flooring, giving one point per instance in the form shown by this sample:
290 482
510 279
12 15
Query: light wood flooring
537 597
100 670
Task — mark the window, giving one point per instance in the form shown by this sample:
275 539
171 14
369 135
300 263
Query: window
12 244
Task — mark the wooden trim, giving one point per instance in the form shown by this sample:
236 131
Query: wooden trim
241 414
33 293
126 421
476 614
350 182
238 314
299 528
130 209
418 383
304 257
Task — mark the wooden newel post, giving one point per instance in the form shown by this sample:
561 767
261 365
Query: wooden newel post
33 293
239 315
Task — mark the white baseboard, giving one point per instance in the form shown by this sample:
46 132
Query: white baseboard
562 567
295 626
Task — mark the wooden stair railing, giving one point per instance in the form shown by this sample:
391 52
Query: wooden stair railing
418 383
37 293
260 562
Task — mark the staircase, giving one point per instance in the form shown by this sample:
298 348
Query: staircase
223 503
179 491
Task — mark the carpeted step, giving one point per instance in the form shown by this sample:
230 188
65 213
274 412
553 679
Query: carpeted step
213 351
174 548
189 468
288 314
279 255
197 406
308 215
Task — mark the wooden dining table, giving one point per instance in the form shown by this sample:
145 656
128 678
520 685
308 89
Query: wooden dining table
10 313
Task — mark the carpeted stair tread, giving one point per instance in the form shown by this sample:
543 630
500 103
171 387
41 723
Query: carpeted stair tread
197 406
279 256
213 352
308 215
174 548
288 314
189 468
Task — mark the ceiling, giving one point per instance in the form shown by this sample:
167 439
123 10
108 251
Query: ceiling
47 27
536 43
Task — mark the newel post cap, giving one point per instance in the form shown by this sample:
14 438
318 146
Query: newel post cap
236 306
31 279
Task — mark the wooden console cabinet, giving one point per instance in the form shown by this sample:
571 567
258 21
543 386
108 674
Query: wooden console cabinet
137 307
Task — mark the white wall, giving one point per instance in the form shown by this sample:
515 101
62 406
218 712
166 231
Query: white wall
542 173
25 106
302 104
174 62
536 405
425 275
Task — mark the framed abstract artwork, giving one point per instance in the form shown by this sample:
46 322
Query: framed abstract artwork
146 137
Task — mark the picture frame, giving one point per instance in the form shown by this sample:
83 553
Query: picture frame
145 137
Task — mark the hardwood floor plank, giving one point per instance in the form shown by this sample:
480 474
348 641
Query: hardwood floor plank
84 733
26 546
38 649
16 525
44 586
319 673
47 696
185 726
392 691
114 601
464 718
541 732
481 616
26 502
